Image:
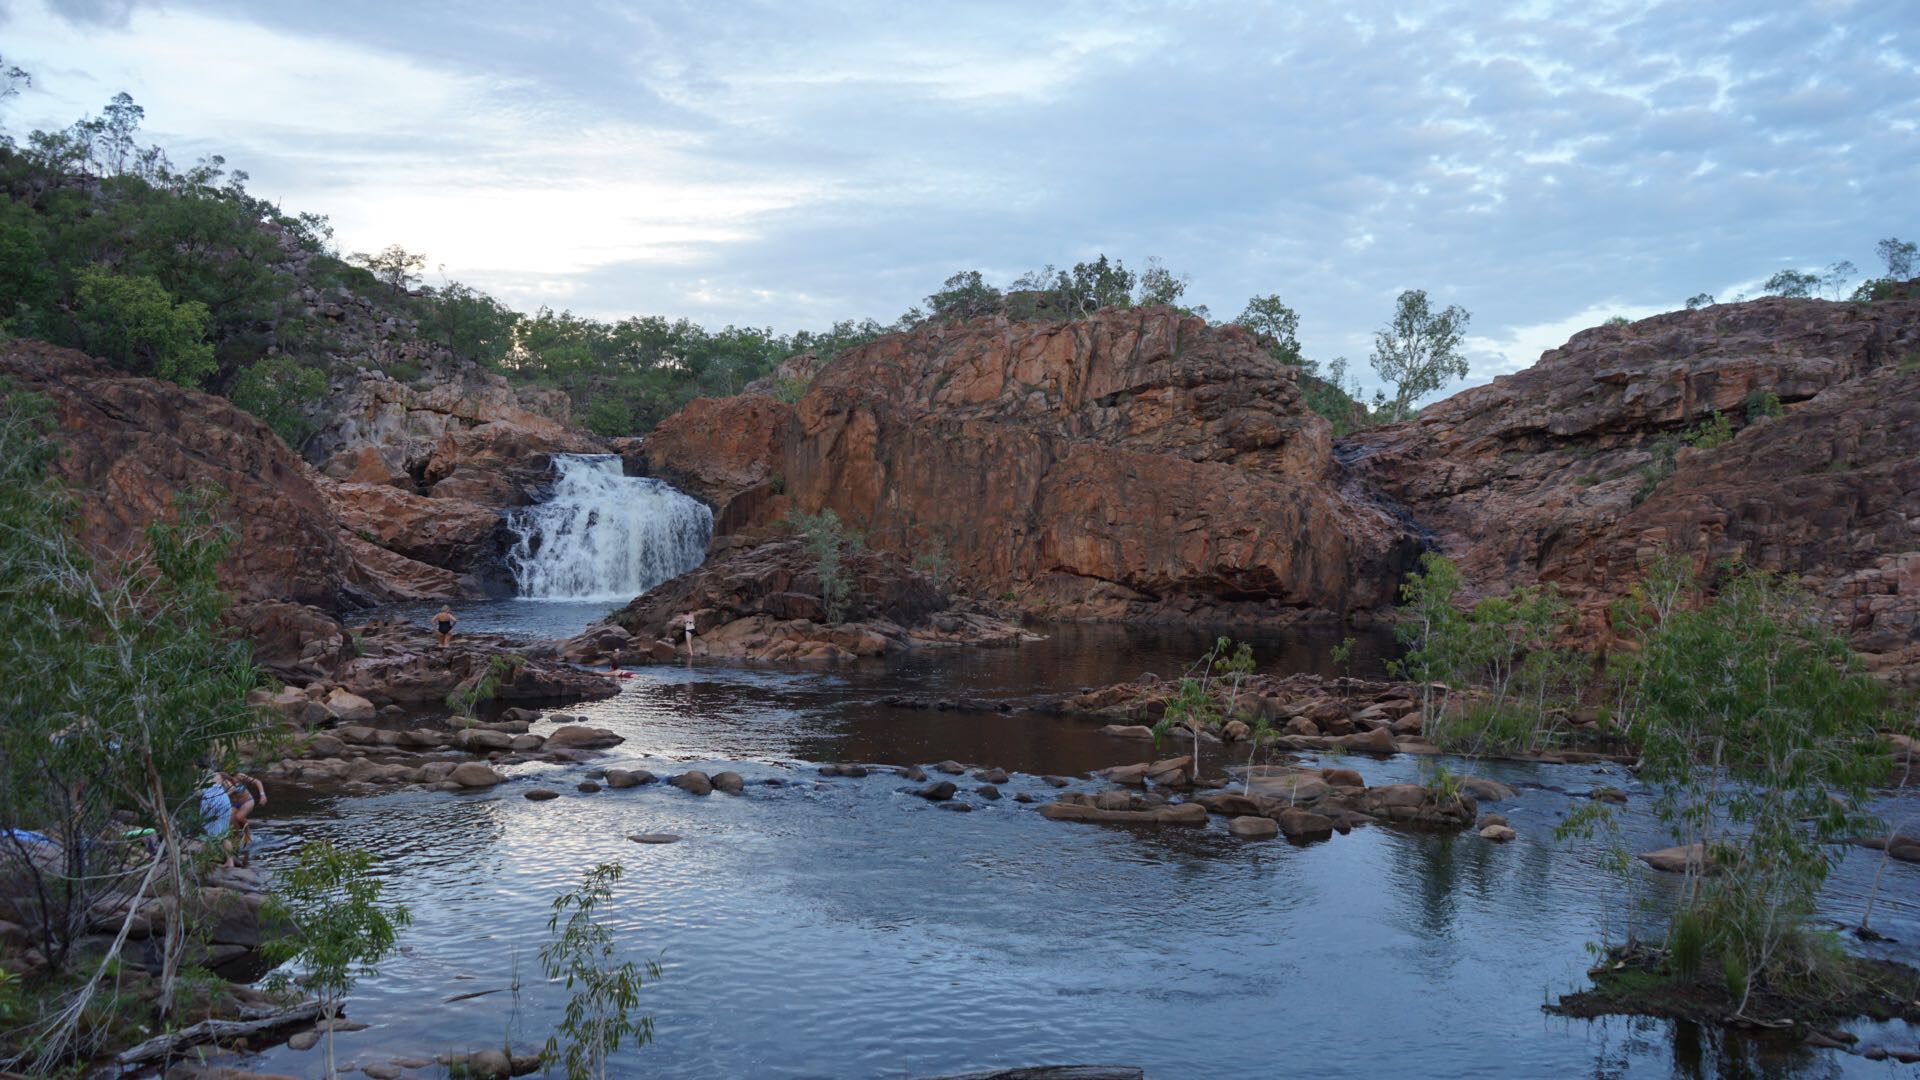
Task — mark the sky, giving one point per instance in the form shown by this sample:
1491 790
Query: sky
1544 165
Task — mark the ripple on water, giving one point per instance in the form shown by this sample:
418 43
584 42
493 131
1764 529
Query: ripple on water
845 928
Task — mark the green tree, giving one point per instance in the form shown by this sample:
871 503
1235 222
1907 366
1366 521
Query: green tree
471 324
1899 256
1418 352
278 390
336 929
965 295
580 953
1277 327
1759 732
134 323
393 264
1699 300
1159 285
827 540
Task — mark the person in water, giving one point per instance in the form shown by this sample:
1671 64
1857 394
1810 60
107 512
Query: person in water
443 625
687 625
613 669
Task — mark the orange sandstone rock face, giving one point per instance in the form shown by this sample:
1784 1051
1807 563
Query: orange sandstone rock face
1138 464
131 447
1541 476
716 449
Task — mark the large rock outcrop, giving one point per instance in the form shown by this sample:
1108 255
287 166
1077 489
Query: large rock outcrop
131 447
1554 474
1137 464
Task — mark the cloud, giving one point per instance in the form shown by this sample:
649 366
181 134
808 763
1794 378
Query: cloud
789 165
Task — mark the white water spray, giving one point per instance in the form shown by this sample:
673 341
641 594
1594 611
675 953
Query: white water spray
603 535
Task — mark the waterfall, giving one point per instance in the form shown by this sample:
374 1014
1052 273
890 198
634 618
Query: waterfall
603 535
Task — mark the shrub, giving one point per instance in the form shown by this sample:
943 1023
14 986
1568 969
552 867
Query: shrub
1761 404
277 390
599 1015
827 540
1714 431
135 324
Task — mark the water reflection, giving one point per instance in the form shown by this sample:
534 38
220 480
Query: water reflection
846 928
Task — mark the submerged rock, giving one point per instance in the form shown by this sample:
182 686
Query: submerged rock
1253 828
693 782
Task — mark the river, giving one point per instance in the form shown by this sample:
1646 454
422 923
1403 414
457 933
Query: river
844 928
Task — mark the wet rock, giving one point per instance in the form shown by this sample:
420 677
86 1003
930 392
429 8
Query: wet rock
304 1040
693 782
587 787
1118 800
1292 788
728 782
1411 804
1377 741
1056 781
580 737
492 1064
472 774
1611 795
991 776
1486 790
1254 828
951 768
1170 772
938 791
482 741
915 773
541 794
1490 819
858 771
1499 834
1172 814
1678 860
654 838
1022 797
961 807
1342 778
383 1070
987 791
1128 731
326 746
350 708
628 778
1304 826
1236 731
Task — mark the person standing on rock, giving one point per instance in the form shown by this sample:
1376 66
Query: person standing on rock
443 625
687 622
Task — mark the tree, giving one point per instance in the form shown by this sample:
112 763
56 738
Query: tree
277 390
1699 300
336 928
1899 256
581 954
13 79
133 322
1277 327
826 539
119 120
122 681
1759 732
471 324
1419 351
1159 285
395 265
1793 284
965 295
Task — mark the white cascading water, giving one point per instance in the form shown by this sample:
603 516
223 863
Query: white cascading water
603 535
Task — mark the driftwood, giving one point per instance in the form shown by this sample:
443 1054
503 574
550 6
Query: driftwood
165 1046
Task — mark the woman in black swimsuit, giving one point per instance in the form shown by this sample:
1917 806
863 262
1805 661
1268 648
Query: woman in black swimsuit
245 794
443 625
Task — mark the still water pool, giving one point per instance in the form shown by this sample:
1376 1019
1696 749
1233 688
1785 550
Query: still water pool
844 928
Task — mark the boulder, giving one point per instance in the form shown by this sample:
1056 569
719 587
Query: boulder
938 791
472 774
628 778
541 794
654 838
728 782
1486 790
1304 826
580 737
693 782
1499 834
1127 731
1678 860
1253 828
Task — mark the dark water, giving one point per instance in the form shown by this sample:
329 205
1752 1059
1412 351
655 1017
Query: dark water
847 929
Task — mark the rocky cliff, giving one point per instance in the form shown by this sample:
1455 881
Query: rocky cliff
132 446
1138 464
1579 470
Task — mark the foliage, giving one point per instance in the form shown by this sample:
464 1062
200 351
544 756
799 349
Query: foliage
134 323
1805 284
1761 405
469 323
466 699
789 391
278 390
1758 731
599 1016
933 561
1192 705
120 683
1277 327
336 928
1699 300
1900 258
1418 352
1715 430
1503 645
394 265
965 295
827 540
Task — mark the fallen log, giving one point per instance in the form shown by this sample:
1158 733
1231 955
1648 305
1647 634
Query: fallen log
161 1047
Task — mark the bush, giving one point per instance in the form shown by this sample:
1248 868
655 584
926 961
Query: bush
1714 431
277 390
826 539
1761 404
135 324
